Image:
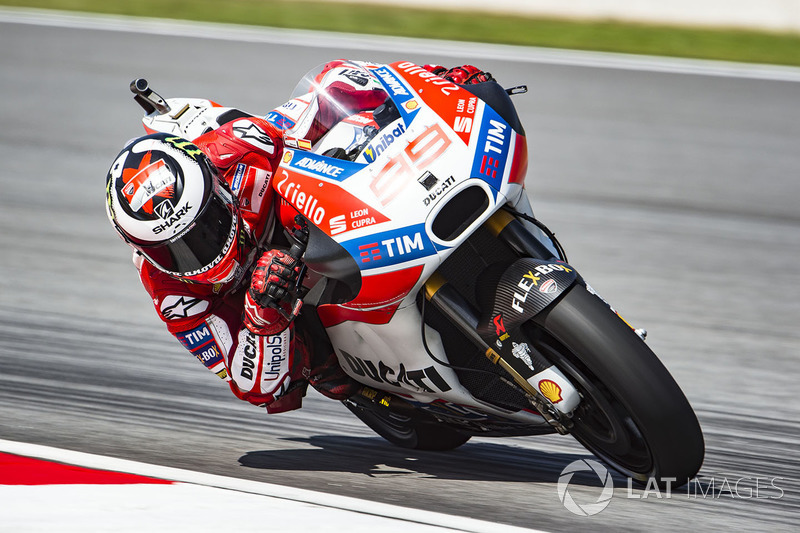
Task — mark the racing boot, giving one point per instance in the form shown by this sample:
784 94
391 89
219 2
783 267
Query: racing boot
329 379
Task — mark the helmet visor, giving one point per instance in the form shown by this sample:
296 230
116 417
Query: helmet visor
201 247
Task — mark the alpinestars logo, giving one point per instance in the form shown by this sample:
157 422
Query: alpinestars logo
247 131
175 307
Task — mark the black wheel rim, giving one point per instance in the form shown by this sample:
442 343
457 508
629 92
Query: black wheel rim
601 423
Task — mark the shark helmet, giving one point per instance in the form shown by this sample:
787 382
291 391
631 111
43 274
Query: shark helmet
166 201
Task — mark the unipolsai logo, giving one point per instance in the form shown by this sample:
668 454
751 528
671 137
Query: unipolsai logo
592 507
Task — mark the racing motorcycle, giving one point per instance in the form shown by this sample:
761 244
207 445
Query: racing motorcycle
438 288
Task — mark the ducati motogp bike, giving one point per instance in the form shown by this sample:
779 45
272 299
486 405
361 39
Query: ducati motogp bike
440 291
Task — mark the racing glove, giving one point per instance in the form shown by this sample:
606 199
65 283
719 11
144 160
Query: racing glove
275 274
463 75
435 69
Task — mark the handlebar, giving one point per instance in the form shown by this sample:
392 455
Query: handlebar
151 101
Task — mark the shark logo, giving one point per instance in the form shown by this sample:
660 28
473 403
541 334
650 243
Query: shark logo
165 210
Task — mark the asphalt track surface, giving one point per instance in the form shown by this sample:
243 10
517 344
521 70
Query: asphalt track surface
675 194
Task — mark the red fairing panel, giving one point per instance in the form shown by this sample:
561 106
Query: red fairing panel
454 104
519 164
379 298
342 210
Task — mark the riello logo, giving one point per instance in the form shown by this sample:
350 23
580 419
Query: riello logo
305 202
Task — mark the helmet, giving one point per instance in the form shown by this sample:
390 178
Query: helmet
165 200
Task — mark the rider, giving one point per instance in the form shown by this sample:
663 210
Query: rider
208 243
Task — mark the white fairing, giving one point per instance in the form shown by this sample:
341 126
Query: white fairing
393 358
188 117
442 141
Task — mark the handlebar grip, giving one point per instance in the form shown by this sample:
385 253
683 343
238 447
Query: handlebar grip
297 249
140 86
299 238
151 101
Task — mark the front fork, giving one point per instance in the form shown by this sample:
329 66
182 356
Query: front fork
546 387
460 312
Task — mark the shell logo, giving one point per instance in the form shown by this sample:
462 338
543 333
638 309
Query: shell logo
287 156
411 105
550 390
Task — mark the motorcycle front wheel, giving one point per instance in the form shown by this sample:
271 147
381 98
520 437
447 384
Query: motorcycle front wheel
633 415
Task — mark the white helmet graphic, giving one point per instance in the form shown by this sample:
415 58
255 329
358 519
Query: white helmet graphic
165 200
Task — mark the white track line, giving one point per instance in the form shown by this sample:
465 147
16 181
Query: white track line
524 54
321 499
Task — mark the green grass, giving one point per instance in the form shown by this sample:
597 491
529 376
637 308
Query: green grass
730 44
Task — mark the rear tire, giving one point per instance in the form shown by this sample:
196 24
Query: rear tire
633 415
408 431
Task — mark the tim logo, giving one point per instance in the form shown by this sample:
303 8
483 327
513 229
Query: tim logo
370 252
492 148
489 166
493 143
280 121
390 247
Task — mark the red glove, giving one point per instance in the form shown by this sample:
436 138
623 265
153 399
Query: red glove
273 278
462 75
435 69
467 74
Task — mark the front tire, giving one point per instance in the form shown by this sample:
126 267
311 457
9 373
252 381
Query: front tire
632 415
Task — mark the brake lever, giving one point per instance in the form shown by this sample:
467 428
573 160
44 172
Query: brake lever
519 89
291 315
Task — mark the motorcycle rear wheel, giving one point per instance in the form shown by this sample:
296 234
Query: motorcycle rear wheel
409 431
633 415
